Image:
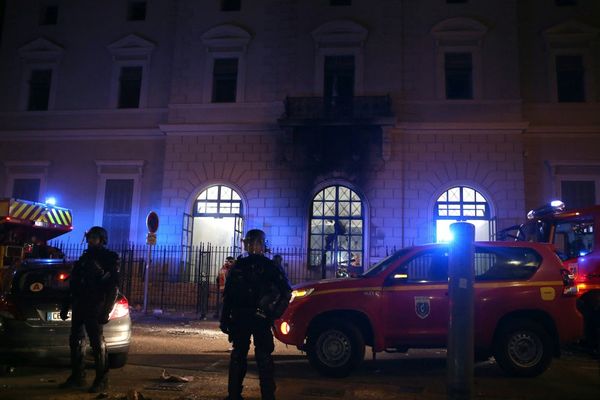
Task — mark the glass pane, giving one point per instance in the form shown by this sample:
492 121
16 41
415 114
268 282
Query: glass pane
317 209
443 197
479 198
319 195
235 208
211 208
329 226
343 243
454 194
480 210
315 258
201 208
356 209
454 210
329 208
315 242
354 197
225 208
356 227
356 243
316 226
213 193
469 210
344 193
202 195
468 194
330 193
343 209
344 225
225 193
235 196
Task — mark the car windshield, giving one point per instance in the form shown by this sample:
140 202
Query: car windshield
385 263
42 282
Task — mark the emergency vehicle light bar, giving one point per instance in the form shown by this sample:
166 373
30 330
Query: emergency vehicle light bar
554 207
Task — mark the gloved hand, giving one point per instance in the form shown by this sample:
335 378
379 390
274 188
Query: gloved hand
64 314
225 327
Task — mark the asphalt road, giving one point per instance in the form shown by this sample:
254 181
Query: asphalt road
198 350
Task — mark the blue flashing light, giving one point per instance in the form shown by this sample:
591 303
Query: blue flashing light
557 203
51 201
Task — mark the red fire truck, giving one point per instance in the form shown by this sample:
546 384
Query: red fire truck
572 232
25 228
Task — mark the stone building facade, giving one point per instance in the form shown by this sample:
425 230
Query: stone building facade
402 105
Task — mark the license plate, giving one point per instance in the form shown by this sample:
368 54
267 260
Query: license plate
55 316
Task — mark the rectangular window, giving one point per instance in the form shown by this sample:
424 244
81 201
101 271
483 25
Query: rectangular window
576 194
116 218
130 85
570 78
458 68
505 263
231 5
136 11
39 89
340 2
26 189
225 73
339 76
48 14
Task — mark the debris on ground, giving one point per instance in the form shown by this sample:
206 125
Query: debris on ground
175 378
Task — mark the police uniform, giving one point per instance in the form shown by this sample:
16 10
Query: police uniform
93 291
249 285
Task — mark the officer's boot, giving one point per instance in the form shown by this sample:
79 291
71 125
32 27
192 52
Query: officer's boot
237 372
266 375
77 377
100 383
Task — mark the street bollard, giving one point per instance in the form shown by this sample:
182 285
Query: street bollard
460 325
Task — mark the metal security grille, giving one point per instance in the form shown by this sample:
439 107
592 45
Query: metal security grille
336 229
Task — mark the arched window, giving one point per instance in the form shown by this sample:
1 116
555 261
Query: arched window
462 203
336 230
217 218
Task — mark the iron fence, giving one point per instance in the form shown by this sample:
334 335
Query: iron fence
185 279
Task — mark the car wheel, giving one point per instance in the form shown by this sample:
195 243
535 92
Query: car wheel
335 349
523 348
117 360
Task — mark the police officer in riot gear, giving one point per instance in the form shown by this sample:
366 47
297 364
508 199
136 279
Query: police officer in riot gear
256 293
93 290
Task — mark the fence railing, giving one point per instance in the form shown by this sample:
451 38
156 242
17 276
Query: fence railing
184 279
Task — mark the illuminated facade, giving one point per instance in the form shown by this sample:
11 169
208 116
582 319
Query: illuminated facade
346 130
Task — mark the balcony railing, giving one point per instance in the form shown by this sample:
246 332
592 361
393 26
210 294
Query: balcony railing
337 108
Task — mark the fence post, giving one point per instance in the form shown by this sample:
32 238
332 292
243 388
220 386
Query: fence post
146 278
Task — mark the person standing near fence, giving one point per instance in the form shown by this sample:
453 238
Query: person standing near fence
256 293
93 289
221 277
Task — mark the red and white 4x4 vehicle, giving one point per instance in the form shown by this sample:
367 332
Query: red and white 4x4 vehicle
524 308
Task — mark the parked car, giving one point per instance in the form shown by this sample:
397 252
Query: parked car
30 325
525 308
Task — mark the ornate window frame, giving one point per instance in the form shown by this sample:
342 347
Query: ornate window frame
40 53
121 169
130 51
26 170
340 38
225 41
570 38
459 35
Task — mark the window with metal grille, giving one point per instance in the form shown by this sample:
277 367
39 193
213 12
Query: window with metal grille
116 217
336 228
458 68
218 201
39 89
130 85
462 203
26 189
577 194
136 11
570 85
225 74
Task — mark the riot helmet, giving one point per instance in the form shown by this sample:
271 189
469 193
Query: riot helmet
98 232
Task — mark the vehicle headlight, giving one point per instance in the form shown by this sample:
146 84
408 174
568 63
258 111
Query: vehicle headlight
300 293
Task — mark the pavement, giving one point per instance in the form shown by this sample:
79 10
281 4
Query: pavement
186 347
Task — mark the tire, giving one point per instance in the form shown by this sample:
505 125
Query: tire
336 348
523 348
117 360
